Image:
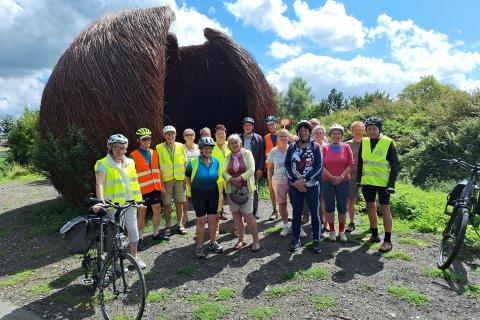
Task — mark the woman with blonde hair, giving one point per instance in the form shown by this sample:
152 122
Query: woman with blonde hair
239 173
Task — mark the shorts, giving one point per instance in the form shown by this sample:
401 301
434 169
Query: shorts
353 189
128 221
205 202
370 192
280 188
247 207
151 198
336 194
176 189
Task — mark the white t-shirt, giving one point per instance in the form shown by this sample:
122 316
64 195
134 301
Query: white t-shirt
278 159
191 154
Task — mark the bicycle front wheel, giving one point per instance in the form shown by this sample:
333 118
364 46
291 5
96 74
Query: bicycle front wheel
452 237
122 290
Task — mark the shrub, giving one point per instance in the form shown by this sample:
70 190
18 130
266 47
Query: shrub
21 136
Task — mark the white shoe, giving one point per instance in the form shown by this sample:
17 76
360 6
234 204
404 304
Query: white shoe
285 230
140 263
333 236
343 237
302 233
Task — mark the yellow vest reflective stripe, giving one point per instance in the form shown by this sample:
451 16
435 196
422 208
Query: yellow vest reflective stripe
220 156
171 170
376 168
114 190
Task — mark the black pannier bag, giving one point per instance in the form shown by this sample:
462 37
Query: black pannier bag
81 232
456 192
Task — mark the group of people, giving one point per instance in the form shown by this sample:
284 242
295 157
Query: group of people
314 173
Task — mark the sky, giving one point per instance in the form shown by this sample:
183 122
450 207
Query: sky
351 45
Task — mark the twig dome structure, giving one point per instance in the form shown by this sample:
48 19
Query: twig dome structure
126 71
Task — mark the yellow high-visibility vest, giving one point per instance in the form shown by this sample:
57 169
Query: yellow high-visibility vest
376 168
220 156
172 170
114 189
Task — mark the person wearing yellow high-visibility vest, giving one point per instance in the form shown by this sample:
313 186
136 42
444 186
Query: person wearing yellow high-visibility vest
377 171
117 181
220 152
203 173
172 160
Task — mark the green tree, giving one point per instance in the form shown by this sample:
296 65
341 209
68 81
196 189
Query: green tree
335 101
21 137
279 101
6 123
361 102
298 99
426 90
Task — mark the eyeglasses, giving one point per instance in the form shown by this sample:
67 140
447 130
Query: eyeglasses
146 139
189 135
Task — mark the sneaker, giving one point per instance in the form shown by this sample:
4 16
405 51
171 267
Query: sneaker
141 245
200 253
161 237
316 247
350 227
215 247
386 246
302 233
140 263
256 215
333 236
274 215
182 230
343 237
168 232
285 230
374 239
296 244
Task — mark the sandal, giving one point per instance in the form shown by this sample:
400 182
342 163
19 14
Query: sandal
274 216
255 246
350 228
239 245
168 232
386 246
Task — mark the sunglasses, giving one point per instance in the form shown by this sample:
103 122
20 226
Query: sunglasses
189 135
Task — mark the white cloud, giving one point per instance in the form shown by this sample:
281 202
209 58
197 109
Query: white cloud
425 51
35 33
280 50
328 26
353 77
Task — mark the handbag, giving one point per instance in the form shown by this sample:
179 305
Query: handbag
239 194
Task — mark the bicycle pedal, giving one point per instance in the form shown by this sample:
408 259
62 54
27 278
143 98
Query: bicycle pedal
87 281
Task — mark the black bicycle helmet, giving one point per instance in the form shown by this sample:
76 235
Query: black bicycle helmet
270 119
304 124
373 121
248 120
206 142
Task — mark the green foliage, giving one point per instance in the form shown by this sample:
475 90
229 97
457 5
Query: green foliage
312 273
11 170
324 301
272 230
50 217
20 276
210 311
225 293
161 294
409 295
261 313
197 297
296 101
21 137
473 291
61 157
277 292
361 102
415 242
426 90
7 122
397 254
434 272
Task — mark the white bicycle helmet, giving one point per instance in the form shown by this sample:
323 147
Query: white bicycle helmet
169 129
336 126
117 138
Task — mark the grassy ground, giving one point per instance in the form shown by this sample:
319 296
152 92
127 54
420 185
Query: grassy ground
9 171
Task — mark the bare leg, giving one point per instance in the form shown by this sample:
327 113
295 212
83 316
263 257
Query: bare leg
283 212
200 230
168 216
133 248
372 214
212 226
387 217
141 212
252 225
351 209
239 227
179 211
157 213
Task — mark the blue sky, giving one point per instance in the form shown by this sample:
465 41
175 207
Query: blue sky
354 46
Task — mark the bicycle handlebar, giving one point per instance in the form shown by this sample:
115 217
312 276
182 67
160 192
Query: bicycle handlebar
109 204
464 165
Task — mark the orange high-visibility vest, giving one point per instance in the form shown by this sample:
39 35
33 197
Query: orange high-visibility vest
148 177
269 145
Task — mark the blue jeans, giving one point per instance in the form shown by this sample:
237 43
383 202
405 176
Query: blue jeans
312 199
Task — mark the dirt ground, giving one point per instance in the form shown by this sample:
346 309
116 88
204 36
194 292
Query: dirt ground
355 278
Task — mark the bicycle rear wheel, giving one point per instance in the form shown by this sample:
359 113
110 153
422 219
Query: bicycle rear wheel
122 288
452 237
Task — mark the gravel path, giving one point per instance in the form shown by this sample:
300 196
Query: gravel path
352 278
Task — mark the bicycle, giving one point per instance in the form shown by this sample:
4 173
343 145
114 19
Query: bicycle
108 267
465 200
